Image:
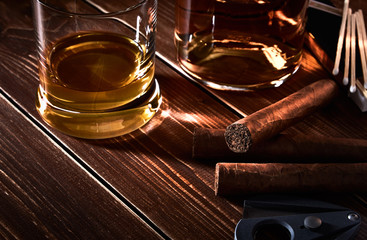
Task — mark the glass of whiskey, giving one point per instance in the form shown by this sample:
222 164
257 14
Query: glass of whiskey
240 44
96 65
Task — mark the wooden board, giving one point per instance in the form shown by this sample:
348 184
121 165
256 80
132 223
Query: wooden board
41 188
151 169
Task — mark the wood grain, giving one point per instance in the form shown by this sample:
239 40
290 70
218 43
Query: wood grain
152 167
41 190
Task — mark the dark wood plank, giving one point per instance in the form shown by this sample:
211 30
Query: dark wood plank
46 194
152 167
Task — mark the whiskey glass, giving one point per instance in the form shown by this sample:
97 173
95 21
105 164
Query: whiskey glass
96 65
240 45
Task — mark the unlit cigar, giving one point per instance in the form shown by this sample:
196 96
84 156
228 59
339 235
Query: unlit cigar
252 178
210 144
269 121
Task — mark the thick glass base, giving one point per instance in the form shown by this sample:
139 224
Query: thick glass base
211 83
101 124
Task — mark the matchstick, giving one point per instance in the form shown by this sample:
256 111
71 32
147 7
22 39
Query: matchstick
341 37
361 45
364 36
347 48
352 87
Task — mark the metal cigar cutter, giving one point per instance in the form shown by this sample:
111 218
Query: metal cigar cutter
293 218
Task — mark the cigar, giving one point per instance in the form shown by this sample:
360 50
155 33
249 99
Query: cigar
210 144
269 121
252 178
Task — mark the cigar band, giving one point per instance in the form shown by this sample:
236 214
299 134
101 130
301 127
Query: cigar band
238 138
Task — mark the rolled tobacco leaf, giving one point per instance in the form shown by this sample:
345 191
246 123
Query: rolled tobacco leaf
210 144
251 178
271 120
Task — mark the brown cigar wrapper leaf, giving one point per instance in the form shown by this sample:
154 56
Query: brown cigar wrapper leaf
210 144
236 179
269 121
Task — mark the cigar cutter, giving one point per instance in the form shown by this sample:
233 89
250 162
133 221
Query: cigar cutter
290 218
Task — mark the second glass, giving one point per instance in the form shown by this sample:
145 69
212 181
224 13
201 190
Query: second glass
96 65
240 45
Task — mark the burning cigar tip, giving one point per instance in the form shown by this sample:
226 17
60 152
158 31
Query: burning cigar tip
238 137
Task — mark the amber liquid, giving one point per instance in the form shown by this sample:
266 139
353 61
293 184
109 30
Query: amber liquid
240 45
97 85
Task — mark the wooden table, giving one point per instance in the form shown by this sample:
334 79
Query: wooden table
144 185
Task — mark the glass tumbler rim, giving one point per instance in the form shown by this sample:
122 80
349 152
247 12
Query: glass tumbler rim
92 15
